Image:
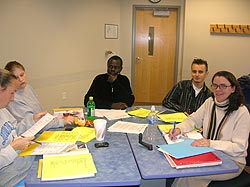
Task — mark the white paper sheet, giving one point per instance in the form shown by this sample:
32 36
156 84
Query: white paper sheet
128 127
38 125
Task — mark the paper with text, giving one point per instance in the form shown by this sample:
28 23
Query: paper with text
86 133
67 166
58 136
38 125
128 127
112 114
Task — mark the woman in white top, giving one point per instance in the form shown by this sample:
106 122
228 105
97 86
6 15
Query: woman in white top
25 101
226 126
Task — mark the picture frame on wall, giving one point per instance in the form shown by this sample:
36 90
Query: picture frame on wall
111 31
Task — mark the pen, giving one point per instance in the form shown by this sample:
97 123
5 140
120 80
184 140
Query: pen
174 127
33 141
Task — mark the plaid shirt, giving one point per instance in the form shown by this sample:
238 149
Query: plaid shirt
182 97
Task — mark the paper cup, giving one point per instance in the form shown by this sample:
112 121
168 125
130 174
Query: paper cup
100 129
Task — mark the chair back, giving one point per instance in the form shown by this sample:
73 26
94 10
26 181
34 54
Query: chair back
248 152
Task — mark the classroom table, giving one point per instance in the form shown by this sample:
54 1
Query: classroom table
127 163
115 166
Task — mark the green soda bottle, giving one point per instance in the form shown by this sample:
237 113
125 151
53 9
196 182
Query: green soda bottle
91 109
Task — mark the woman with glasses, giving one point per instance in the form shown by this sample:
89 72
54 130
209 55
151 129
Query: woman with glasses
226 124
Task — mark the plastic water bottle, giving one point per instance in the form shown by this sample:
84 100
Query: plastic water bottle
152 119
91 109
152 124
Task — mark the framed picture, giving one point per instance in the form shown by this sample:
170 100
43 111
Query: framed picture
111 31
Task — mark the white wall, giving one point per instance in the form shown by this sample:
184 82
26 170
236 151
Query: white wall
223 52
61 42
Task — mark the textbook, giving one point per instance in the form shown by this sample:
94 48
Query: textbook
201 160
67 166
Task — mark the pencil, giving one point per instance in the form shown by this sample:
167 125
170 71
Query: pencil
33 141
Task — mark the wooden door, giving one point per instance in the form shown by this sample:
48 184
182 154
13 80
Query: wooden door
154 73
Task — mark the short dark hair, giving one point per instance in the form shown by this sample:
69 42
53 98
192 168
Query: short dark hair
13 64
115 58
236 99
200 62
5 78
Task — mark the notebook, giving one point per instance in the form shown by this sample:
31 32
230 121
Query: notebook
183 149
206 159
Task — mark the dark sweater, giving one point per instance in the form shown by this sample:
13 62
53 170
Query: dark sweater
106 93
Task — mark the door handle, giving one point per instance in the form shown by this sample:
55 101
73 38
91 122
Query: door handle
139 59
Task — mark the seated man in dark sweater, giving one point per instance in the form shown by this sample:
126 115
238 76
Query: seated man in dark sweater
111 90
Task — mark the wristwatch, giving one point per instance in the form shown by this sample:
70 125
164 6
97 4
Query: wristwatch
154 1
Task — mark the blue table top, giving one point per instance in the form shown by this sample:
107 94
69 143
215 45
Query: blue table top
115 166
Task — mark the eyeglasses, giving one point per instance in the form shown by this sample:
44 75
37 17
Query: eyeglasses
221 86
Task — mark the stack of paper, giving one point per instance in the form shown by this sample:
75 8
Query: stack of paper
52 142
67 166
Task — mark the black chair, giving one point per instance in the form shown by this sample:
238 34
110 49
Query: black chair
243 180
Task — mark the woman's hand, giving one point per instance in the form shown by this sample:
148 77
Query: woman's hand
38 116
173 133
203 142
21 143
68 120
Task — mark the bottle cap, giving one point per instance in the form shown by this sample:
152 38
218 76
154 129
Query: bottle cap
152 108
90 97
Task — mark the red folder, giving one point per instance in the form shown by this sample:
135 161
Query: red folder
201 160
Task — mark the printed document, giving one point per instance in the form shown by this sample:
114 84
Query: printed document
41 123
128 127
111 114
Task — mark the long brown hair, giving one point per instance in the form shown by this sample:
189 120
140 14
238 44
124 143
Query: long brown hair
236 99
